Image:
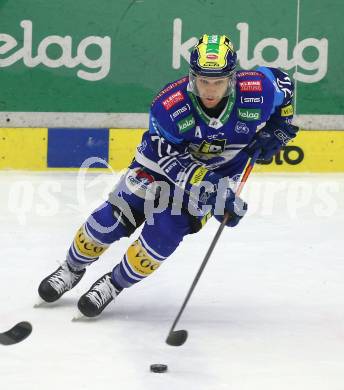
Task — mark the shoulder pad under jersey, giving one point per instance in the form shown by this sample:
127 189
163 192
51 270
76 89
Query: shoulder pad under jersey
283 86
255 93
171 112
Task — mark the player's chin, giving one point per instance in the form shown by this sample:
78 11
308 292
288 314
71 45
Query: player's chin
210 103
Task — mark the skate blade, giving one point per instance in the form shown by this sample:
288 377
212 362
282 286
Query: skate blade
79 317
39 303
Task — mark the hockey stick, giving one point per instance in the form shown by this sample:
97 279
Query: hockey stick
177 338
16 334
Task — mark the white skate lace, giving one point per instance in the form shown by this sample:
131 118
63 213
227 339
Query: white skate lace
63 279
102 292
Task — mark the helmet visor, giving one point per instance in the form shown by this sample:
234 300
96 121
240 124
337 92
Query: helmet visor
211 87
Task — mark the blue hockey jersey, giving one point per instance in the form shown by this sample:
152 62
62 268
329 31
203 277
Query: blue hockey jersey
182 139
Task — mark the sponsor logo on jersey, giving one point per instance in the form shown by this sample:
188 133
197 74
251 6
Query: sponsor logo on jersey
180 111
172 100
142 146
141 183
250 74
249 114
241 128
259 99
186 124
215 136
251 86
144 177
168 88
216 146
287 111
198 175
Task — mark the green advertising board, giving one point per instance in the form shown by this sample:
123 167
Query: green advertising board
113 56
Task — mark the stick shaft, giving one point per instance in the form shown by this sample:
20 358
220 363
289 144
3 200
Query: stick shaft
213 243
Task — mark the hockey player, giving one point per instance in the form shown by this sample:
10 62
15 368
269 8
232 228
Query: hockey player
202 130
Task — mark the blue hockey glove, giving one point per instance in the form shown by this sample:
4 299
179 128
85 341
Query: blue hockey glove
223 199
235 207
271 138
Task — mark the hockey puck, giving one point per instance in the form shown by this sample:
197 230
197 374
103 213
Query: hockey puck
160 368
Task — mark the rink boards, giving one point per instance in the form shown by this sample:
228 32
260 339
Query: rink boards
68 149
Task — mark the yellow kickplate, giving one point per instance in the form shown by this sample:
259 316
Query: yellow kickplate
310 151
122 146
23 148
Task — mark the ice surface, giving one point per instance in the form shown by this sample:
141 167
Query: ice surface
268 312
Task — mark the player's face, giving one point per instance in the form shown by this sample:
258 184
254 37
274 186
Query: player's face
211 90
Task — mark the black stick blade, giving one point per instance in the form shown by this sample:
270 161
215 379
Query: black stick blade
177 338
16 334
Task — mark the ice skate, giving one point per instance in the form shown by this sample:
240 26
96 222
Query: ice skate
59 282
94 301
